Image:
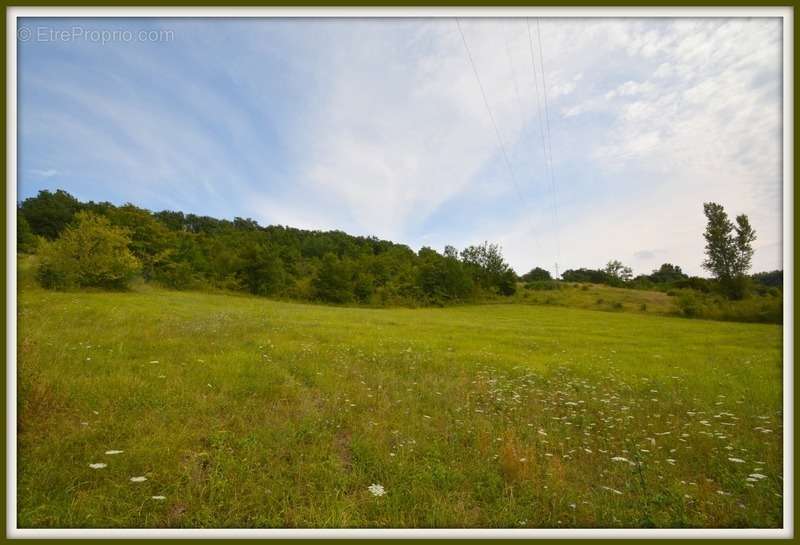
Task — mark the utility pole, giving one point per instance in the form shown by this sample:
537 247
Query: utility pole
556 270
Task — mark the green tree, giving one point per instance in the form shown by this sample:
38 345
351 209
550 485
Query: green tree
262 271
666 273
772 279
489 268
617 271
91 253
333 280
443 278
729 250
49 213
151 241
537 274
507 282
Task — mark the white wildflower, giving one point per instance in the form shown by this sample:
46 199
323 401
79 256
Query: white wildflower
97 466
377 489
138 479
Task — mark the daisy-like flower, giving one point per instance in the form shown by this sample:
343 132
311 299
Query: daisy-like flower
97 466
138 479
377 489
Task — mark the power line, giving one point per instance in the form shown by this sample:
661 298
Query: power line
496 129
536 91
544 128
489 110
549 139
514 78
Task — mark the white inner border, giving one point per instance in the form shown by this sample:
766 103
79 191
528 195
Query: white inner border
786 13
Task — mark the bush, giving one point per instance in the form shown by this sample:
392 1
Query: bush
737 288
641 282
766 309
179 276
694 283
688 304
90 253
27 242
536 274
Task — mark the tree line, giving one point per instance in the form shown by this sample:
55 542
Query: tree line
83 244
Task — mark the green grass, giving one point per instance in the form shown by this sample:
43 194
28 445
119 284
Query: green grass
245 412
599 297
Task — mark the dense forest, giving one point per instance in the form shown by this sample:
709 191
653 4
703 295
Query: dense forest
184 251
82 244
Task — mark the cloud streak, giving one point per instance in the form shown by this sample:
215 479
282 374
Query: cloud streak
379 127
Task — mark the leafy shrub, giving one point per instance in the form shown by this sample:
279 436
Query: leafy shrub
27 242
695 283
178 275
90 253
641 282
768 309
688 304
536 274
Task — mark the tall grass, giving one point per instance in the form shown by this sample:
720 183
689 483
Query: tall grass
244 412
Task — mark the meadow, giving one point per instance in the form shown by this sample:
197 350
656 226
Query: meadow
157 408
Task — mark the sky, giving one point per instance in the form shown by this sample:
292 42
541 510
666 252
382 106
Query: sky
570 141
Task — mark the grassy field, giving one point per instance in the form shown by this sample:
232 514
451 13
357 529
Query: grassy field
600 297
242 412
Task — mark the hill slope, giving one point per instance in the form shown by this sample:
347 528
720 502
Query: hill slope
244 412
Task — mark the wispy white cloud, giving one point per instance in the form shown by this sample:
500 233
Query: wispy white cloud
43 173
379 127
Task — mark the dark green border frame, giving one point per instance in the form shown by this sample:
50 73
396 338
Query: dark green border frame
382 3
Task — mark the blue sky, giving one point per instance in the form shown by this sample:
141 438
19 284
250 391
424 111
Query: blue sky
378 127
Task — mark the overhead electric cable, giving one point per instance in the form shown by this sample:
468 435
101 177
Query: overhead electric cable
494 124
489 110
544 129
549 139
